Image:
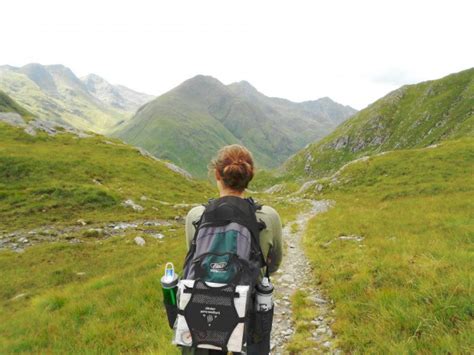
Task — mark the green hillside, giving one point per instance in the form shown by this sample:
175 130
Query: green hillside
191 122
54 93
73 279
410 117
7 104
45 179
395 252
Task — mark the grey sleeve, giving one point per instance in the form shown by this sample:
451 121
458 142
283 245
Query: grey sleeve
275 254
191 217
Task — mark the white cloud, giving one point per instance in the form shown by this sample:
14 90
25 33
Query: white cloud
352 51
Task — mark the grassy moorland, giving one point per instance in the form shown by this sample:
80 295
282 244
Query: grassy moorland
86 292
101 296
60 179
407 286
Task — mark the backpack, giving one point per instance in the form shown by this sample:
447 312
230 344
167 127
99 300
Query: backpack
220 272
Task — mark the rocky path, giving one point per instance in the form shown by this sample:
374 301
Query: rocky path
293 275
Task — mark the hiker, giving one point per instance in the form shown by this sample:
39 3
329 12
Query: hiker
233 169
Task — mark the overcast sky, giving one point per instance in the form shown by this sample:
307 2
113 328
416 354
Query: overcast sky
352 51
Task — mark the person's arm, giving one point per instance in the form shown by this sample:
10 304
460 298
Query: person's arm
193 215
275 253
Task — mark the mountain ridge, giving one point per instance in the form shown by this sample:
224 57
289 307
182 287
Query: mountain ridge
203 114
411 116
118 96
55 93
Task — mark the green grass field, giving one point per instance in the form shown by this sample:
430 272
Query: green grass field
49 180
101 295
407 287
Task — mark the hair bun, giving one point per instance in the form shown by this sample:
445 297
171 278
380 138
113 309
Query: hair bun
234 163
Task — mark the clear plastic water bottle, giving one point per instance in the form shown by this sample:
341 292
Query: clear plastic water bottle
264 295
169 285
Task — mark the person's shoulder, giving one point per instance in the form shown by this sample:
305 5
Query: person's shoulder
269 215
195 213
268 211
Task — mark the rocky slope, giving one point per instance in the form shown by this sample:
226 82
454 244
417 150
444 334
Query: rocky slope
116 96
55 93
190 123
413 116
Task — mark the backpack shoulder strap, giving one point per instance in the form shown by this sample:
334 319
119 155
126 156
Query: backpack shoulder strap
257 207
192 248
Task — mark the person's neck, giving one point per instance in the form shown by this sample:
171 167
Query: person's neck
226 192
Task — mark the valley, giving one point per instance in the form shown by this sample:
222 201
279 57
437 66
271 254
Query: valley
377 218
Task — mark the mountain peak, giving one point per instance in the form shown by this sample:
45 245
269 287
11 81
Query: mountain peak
40 76
63 71
92 77
243 87
203 80
329 108
245 84
117 96
200 87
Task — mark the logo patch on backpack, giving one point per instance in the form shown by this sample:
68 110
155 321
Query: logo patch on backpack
219 267
210 313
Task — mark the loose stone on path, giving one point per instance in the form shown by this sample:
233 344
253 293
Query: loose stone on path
292 276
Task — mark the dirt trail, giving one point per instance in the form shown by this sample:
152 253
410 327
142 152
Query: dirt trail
293 275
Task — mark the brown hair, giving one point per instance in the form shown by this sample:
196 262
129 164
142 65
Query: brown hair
234 164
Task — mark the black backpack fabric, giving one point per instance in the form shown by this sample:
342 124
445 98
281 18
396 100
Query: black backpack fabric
225 250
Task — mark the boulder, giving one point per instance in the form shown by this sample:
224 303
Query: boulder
133 205
139 241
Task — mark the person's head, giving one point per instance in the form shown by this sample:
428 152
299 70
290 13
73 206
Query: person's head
233 169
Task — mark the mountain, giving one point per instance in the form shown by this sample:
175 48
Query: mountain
413 116
116 96
330 109
55 93
8 105
188 124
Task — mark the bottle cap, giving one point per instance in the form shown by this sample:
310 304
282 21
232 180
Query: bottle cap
169 272
169 279
265 286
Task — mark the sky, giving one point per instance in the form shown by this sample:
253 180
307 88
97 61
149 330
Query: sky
352 51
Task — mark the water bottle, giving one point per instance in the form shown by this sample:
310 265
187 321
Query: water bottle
169 285
264 295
